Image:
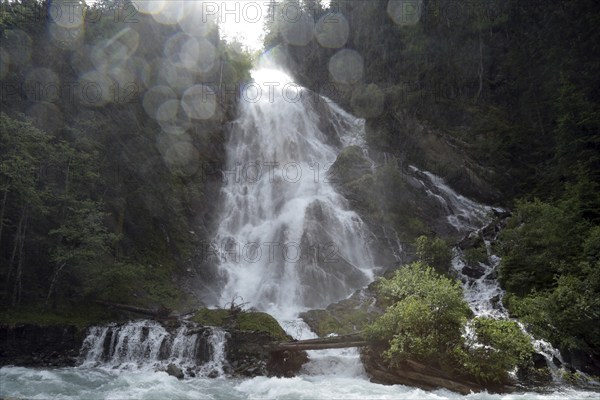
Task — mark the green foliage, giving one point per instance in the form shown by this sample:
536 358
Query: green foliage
261 322
568 315
550 268
434 252
475 255
495 348
211 317
91 204
426 320
536 238
425 316
81 315
244 320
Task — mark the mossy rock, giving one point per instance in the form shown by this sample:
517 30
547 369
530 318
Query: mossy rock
211 317
244 321
261 322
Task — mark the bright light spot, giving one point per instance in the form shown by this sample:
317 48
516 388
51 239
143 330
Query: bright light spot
346 66
405 12
95 89
242 21
332 30
150 6
155 97
298 30
199 102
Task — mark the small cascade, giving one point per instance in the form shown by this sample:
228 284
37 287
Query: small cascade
217 342
148 345
484 295
462 213
394 243
331 362
125 346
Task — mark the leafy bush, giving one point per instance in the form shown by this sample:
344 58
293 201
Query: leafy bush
494 348
427 320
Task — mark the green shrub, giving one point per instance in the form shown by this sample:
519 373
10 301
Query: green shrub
427 320
494 348
425 315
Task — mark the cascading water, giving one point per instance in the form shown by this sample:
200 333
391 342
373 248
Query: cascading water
481 288
148 345
288 240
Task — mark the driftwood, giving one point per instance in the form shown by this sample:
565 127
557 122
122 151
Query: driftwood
335 342
160 313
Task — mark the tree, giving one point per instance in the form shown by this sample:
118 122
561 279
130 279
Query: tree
427 320
425 316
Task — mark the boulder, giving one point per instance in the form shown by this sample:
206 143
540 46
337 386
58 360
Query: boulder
473 271
175 371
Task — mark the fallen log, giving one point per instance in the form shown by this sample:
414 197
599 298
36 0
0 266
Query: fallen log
315 346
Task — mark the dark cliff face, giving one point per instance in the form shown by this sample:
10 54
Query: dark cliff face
40 346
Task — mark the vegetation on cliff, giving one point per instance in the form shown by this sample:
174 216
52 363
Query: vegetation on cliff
101 196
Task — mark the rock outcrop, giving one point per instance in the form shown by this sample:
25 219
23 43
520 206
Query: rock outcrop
426 377
249 336
40 346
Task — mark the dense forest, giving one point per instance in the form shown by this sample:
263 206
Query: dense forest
106 194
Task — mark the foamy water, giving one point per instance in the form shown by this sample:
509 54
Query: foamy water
95 383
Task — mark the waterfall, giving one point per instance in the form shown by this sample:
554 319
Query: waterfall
148 345
218 342
287 240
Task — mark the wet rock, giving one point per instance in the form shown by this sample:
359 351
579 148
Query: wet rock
539 361
213 374
556 362
346 316
471 241
286 363
175 371
496 301
249 351
537 374
38 346
585 362
419 375
492 275
473 271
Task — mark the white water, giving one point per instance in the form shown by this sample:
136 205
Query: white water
148 346
93 383
288 240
